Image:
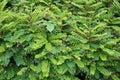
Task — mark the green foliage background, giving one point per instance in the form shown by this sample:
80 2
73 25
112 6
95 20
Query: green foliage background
59 39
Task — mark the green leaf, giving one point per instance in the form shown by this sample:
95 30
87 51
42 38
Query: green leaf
116 21
79 63
116 3
60 60
96 56
77 5
58 36
2 49
50 27
53 60
104 71
18 34
113 41
61 69
77 37
2 4
77 56
37 44
39 55
99 27
118 67
9 44
78 30
110 52
99 36
103 57
92 69
101 13
67 57
97 75
22 70
56 42
90 55
32 76
97 5
45 68
58 39
116 28
8 26
71 66
19 60
86 47
36 68
48 47
6 58
10 72
114 77
2 76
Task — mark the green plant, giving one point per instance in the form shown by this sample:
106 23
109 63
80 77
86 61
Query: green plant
59 39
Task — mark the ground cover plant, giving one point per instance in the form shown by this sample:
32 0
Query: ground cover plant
59 40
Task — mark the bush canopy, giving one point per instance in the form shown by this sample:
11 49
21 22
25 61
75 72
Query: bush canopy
59 40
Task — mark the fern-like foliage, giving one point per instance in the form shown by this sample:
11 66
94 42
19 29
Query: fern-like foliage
59 39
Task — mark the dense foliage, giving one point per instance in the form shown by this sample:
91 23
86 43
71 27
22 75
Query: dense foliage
59 40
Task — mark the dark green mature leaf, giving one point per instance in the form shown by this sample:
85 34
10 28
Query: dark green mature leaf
118 67
71 66
5 58
19 60
10 72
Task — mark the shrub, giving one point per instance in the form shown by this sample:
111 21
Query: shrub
59 40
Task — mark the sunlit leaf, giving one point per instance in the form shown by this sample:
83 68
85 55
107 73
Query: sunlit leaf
104 71
79 63
50 27
92 69
2 49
